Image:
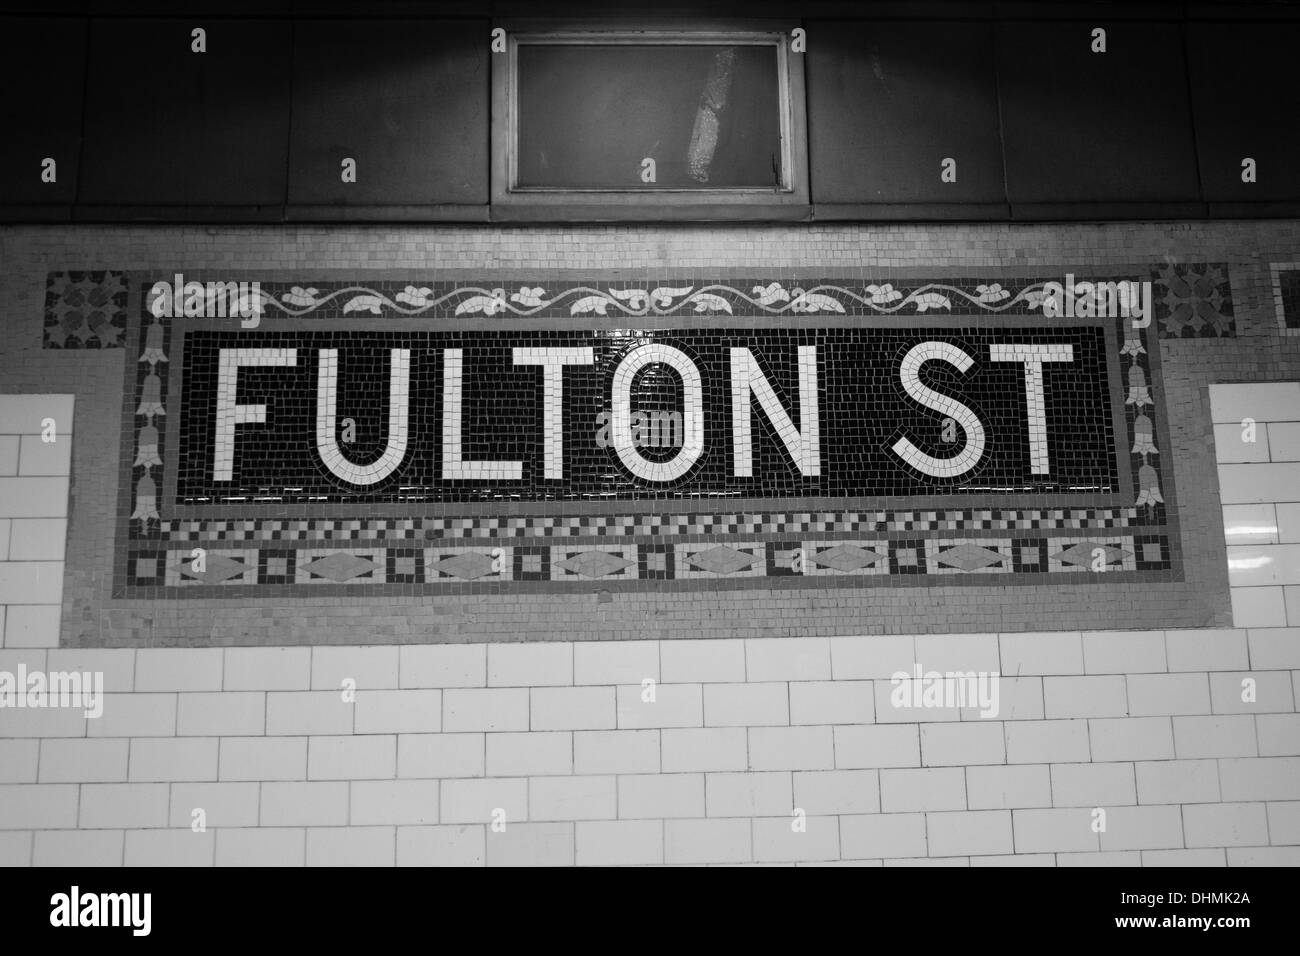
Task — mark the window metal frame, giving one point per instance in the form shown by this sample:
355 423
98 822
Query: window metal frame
786 201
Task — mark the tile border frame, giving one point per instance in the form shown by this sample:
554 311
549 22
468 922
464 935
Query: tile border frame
126 543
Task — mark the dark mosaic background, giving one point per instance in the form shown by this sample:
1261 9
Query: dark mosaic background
862 409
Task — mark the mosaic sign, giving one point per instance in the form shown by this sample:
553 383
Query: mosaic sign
377 436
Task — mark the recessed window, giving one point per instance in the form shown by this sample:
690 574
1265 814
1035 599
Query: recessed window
649 117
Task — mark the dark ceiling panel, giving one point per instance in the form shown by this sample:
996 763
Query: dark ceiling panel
1081 127
407 100
1246 97
42 73
168 126
889 101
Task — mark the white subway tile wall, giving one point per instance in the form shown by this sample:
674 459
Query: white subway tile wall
1257 446
789 767
35 465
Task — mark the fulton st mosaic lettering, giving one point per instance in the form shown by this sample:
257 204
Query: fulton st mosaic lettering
726 413
340 435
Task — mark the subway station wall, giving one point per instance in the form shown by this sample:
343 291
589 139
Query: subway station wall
1039 125
469 434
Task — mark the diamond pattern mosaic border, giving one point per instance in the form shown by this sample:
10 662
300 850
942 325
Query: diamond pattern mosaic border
227 569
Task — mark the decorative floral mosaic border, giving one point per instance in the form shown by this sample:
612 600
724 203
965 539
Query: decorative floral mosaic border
88 309
156 552
1191 300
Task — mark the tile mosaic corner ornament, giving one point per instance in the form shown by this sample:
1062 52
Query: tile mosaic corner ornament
351 435
1194 300
85 309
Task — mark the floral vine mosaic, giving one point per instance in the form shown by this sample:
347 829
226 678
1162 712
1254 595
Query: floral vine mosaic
1191 300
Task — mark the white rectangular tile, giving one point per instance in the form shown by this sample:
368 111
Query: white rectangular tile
1261 401
1251 524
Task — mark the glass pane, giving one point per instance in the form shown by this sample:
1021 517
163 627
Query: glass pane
590 115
